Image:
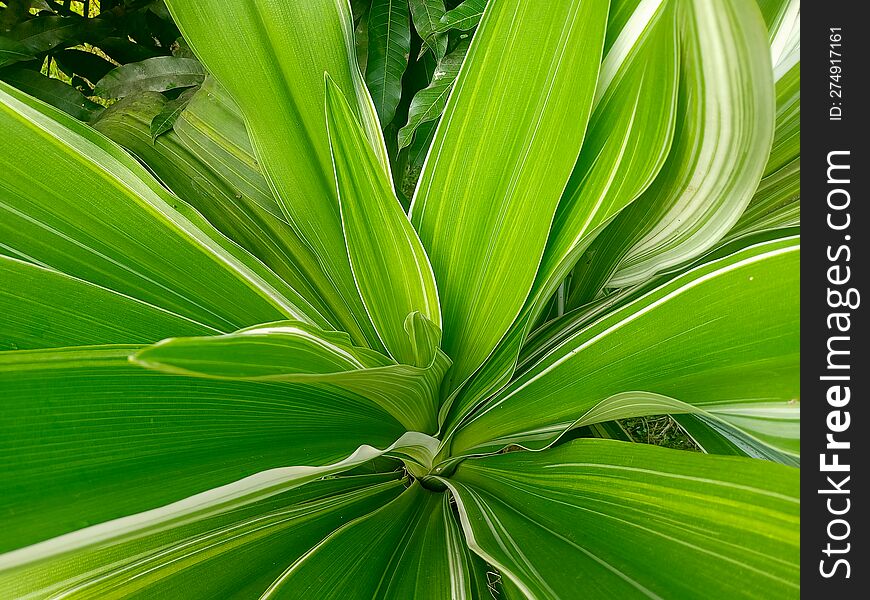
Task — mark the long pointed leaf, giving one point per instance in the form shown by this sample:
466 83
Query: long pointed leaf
99 216
273 67
389 264
501 155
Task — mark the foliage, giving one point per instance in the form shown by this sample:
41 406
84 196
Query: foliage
376 299
59 51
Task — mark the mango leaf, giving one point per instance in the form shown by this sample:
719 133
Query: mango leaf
428 104
687 339
389 44
293 352
158 74
464 17
46 32
485 240
213 552
121 440
633 520
43 308
390 266
275 76
725 112
165 119
52 91
99 216
426 16
13 51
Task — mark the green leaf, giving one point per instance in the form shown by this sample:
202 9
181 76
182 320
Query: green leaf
620 520
215 552
52 91
410 548
485 240
273 68
426 15
165 119
43 308
714 436
722 337
157 74
389 38
207 159
723 137
464 17
294 352
120 439
13 51
99 216
389 263
428 104
46 32
628 138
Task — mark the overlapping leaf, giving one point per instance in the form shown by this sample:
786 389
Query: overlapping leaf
276 78
99 216
720 337
633 521
501 154
389 264
293 352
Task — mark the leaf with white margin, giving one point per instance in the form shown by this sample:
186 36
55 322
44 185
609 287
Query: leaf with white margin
723 138
621 520
294 352
718 335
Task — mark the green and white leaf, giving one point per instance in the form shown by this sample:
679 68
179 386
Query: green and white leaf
724 132
485 240
720 337
389 264
294 352
633 521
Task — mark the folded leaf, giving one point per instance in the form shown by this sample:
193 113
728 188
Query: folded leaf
294 352
389 263
721 337
633 521
499 161
722 140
